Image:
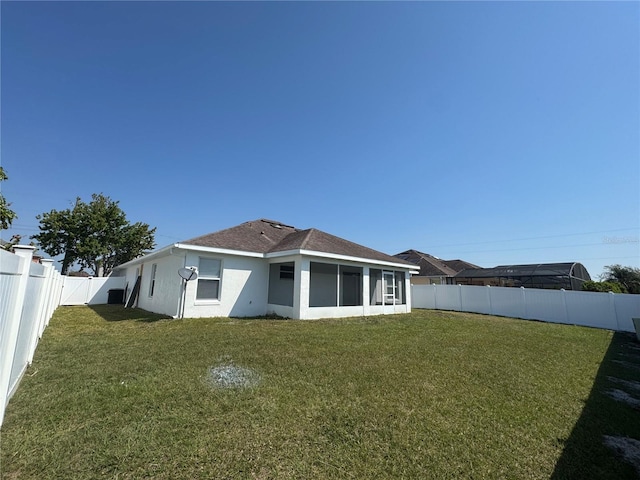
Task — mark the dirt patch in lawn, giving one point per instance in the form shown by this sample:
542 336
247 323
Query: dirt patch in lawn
229 375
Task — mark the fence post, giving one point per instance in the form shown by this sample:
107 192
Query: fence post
612 304
435 296
567 317
489 298
524 302
14 315
51 293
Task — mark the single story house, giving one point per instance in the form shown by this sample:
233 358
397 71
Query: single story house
265 267
433 270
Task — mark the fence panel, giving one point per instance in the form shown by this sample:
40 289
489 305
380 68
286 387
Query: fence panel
547 305
626 307
590 309
448 297
423 296
475 299
29 324
14 270
506 302
89 290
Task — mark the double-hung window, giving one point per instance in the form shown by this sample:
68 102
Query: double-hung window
209 272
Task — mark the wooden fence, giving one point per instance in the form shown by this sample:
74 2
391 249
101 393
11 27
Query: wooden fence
591 309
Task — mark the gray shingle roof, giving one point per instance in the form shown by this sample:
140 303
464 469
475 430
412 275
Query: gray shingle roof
267 236
431 266
319 241
254 236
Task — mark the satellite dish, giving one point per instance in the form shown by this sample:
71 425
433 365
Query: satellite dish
188 273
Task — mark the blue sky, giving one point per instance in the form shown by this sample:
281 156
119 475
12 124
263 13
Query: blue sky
497 133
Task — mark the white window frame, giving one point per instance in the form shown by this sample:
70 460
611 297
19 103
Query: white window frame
209 301
152 279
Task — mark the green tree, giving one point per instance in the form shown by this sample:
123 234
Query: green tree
96 235
7 216
627 277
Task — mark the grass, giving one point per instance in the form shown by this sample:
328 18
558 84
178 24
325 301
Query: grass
117 393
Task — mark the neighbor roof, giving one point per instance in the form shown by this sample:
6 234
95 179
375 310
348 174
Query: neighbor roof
431 266
270 236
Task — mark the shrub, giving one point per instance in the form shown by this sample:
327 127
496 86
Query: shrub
603 287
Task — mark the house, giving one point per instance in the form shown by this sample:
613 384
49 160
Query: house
433 270
567 275
265 267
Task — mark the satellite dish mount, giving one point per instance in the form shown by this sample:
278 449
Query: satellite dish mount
187 274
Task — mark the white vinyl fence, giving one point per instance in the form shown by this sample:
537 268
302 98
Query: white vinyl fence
591 309
29 293
89 290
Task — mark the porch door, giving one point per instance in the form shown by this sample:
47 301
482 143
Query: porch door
388 292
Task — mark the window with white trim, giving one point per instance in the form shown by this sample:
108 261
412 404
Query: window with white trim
209 273
152 282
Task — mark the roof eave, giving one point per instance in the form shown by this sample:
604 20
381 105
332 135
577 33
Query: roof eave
335 256
225 251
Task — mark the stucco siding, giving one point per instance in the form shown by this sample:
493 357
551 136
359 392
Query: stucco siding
243 288
166 291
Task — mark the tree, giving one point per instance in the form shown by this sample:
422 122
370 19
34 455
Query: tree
7 216
627 277
96 235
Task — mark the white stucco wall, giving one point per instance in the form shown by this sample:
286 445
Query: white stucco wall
243 288
166 293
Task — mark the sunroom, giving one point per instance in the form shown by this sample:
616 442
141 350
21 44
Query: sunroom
309 288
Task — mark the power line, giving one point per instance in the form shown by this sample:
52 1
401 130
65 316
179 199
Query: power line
548 247
530 238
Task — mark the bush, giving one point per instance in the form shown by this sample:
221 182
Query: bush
603 287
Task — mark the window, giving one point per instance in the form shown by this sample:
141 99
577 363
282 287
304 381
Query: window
152 283
208 279
286 271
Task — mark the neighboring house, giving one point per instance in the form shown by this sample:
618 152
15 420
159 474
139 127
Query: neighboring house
569 275
432 269
35 258
265 267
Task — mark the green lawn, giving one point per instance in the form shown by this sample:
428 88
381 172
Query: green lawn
117 393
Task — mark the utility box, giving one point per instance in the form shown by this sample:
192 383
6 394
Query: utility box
116 296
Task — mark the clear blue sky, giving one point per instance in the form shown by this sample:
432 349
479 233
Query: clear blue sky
497 133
